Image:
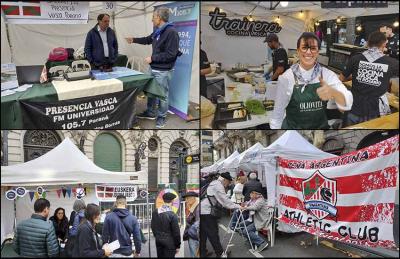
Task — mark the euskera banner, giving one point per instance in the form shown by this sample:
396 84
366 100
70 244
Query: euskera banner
110 192
349 198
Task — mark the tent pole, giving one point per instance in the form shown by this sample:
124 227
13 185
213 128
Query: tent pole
9 41
147 216
15 216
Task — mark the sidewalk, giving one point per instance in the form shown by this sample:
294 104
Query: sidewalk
286 245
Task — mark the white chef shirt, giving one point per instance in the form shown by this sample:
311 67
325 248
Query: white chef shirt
285 89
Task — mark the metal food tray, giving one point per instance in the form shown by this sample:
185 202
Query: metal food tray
223 116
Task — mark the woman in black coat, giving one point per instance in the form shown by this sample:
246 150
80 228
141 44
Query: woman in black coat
88 243
60 223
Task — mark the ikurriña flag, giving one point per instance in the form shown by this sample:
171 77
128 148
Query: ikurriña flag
349 198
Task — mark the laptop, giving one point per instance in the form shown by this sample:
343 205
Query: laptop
29 74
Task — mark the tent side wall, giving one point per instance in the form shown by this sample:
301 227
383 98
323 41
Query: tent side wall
7 219
244 49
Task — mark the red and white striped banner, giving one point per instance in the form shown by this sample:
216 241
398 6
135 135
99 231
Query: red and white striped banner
348 198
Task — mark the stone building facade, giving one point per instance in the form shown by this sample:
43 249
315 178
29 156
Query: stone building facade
337 142
160 152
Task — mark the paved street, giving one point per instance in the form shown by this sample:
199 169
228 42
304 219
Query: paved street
288 245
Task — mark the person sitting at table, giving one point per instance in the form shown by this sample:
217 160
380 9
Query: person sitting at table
60 222
306 90
279 56
370 73
101 46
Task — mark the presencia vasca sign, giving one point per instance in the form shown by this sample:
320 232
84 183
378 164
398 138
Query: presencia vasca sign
237 27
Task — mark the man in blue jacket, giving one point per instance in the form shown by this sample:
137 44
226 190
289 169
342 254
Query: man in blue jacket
121 224
101 46
165 45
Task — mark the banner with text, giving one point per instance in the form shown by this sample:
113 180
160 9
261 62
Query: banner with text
184 16
46 12
348 198
105 111
110 192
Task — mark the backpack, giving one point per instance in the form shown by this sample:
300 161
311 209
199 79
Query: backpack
58 54
203 191
70 52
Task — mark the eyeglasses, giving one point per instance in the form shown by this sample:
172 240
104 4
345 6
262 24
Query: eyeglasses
312 49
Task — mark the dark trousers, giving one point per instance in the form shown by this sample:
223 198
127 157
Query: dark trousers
209 230
164 250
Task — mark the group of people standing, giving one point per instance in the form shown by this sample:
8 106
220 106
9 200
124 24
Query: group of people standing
247 194
81 235
78 237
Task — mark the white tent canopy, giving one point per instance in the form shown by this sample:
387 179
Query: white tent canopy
65 164
61 166
213 167
30 44
291 145
224 166
248 153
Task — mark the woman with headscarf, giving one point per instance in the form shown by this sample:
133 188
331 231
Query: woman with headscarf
78 215
306 90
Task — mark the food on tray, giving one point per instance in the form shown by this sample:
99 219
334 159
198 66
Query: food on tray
232 86
207 107
237 114
255 107
234 105
240 74
269 105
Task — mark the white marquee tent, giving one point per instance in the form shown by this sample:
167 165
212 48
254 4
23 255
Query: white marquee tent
64 165
292 20
291 145
30 44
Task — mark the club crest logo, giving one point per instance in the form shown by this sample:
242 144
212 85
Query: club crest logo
320 195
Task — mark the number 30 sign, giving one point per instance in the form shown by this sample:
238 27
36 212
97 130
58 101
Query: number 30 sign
109 6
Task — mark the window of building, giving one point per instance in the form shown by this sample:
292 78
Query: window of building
108 152
39 142
177 170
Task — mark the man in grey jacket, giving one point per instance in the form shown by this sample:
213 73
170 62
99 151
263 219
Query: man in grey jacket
36 237
209 223
258 218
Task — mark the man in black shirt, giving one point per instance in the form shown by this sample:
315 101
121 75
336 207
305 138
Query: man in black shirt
165 227
204 69
279 56
370 72
392 45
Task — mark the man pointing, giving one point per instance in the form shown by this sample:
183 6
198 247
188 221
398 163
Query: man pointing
165 45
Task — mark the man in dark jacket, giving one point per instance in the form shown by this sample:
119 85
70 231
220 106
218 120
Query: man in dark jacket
165 227
252 184
121 224
101 46
36 237
165 45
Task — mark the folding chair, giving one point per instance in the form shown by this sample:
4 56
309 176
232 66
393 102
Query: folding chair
240 225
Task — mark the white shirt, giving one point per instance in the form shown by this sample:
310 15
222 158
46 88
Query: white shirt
285 89
103 35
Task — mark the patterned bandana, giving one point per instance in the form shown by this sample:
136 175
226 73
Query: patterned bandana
157 32
373 54
317 70
164 208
